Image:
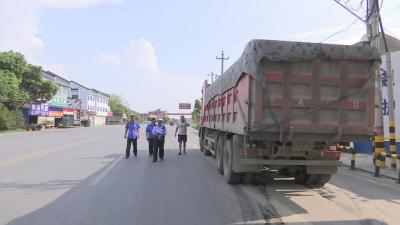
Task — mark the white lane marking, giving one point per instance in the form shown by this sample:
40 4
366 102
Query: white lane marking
105 172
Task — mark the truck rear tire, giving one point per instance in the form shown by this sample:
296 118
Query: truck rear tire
312 180
322 179
220 154
248 178
201 140
230 176
207 152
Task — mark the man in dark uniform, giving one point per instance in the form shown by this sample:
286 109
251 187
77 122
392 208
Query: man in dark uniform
150 136
159 131
131 134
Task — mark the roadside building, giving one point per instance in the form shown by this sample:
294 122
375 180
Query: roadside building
79 100
89 104
101 107
58 102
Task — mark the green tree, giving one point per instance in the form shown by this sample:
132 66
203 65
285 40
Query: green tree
196 113
116 105
20 83
29 77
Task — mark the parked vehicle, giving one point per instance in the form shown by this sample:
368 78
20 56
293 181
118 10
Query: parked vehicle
281 106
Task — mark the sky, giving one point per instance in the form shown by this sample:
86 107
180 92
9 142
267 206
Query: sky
156 54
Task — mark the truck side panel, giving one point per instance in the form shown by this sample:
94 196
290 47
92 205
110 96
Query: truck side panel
229 111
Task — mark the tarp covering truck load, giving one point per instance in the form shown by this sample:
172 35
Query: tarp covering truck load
281 106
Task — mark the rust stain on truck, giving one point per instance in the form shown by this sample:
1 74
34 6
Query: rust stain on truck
282 104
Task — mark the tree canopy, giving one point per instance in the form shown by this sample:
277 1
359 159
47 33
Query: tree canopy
20 83
118 107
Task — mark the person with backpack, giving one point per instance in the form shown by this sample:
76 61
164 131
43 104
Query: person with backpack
150 136
159 132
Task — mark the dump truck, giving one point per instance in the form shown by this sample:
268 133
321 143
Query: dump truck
283 105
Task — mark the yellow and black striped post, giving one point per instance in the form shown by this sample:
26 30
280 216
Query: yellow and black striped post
377 165
353 159
379 149
392 139
387 155
373 151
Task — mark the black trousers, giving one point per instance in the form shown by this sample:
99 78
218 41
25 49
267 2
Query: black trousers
151 145
130 141
158 148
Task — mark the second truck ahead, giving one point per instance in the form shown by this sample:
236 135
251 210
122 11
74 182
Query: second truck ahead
283 104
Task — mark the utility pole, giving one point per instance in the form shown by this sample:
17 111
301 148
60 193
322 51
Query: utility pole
373 37
391 102
212 76
371 21
222 61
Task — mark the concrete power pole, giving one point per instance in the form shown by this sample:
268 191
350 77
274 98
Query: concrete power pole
373 37
222 61
372 26
390 96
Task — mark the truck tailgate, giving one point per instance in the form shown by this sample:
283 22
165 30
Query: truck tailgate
316 99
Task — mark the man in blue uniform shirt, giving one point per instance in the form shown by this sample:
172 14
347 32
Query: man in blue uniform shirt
159 131
132 130
150 136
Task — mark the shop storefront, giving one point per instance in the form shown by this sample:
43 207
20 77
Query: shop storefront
36 112
69 117
56 114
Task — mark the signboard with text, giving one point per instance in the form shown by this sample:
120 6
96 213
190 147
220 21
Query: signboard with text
56 113
185 106
39 110
58 101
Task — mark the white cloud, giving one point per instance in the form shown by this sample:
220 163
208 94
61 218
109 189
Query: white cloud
109 59
20 24
140 55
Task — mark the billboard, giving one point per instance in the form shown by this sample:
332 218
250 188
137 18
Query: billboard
185 106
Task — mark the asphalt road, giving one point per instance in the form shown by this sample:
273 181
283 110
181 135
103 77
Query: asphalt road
80 176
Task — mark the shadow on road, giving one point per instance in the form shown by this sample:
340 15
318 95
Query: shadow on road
182 189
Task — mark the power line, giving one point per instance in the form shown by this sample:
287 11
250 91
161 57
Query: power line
325 25
258 18
313 20
391 33
393 10
340 31
278 17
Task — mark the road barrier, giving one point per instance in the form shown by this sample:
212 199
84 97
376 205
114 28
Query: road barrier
353 152
380 159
